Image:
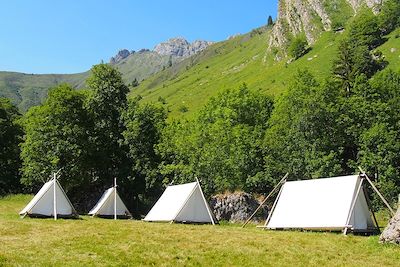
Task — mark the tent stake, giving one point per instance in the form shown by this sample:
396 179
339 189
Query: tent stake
353 204
265 200
377 191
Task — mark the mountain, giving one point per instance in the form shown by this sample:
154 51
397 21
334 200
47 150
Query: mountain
186 87
27 90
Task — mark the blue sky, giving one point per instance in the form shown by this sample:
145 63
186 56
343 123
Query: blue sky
63 36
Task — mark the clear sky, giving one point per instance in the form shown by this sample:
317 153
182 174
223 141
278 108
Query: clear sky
68 36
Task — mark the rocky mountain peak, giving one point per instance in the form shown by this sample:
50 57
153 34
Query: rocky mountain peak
122 54
180 47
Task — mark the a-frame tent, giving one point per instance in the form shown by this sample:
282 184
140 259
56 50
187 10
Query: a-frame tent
50 201
334 204
181 203
110 205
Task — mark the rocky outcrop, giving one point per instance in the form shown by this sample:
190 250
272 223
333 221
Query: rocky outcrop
236 207
121 55
180 47
309 17
391 234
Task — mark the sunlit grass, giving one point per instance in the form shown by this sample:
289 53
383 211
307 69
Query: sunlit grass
92 241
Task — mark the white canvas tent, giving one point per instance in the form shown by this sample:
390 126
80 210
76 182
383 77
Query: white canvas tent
338 203
50 201
181 203
110 204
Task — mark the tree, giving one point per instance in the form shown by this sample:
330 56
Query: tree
135 83
270 21
105 104
389 18
144 124
354 54
222 145
10 137
57 135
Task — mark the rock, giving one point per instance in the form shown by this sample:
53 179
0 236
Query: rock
180 47
297 17
122 54
236 207
392 50
391 234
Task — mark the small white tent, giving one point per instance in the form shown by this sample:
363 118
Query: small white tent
110 204
50 201
337 203
181 203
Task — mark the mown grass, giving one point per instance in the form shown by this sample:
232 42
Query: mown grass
92 241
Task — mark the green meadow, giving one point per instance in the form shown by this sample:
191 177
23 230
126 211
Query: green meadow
101 242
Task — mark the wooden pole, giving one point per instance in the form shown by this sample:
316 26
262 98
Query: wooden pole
265 200
377 191
54 196
353 204
115 198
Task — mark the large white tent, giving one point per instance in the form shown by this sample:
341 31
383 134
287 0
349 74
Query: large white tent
181 203
110 204
337 203
50 201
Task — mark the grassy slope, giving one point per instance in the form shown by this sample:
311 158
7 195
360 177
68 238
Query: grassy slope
243 59
28 90
92 241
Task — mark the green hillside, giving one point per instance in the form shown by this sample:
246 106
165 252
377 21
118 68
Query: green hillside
187 86
27 90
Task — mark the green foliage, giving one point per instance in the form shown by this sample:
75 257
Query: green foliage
57 135
222 145
143 124
389 17
10 137
298 47
106 103
354 53
270 21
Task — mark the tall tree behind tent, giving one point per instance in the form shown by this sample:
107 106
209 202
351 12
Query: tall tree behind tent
10 137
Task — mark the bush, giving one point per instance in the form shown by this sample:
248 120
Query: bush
298 47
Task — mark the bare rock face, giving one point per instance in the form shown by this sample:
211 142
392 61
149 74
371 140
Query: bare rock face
180 47
391 234
236 207
122 54
308 17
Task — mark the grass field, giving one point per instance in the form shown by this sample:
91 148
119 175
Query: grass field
92 241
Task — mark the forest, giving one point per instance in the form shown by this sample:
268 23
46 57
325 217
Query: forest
240 140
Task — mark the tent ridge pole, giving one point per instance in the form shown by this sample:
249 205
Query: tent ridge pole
55 196
265 200
115 198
